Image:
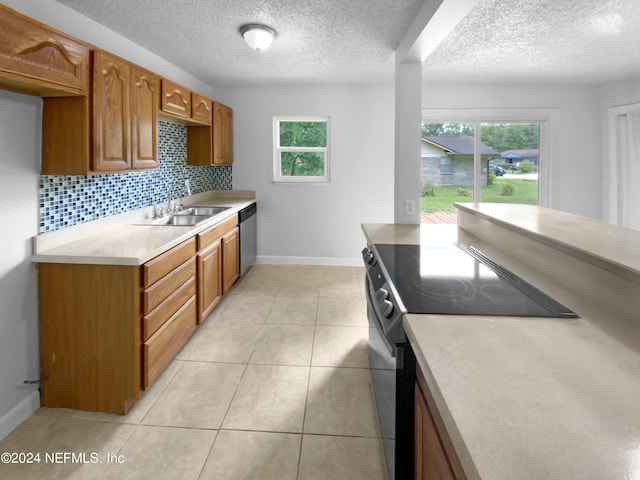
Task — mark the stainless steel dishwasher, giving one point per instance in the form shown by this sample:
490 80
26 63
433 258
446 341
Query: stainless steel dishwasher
248 223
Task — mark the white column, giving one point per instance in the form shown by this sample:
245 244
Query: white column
407 142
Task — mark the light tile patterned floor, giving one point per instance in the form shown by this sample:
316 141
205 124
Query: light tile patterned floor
274 385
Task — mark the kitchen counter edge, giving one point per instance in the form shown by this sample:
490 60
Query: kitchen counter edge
118 240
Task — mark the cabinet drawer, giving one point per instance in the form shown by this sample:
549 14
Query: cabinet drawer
211 235
155 269
160 349
156 293
152 321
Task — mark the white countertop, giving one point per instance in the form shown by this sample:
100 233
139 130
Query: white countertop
118 240
531 398
613 244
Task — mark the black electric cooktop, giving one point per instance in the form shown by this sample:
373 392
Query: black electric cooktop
457 279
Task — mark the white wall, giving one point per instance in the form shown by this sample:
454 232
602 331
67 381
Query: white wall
576 169
317 223
20 141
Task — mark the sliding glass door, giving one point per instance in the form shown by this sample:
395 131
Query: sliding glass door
496 161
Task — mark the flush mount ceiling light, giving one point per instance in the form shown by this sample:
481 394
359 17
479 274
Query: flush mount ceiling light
257 36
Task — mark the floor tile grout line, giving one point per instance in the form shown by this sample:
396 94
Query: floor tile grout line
204 463
235 392
306 400
178 370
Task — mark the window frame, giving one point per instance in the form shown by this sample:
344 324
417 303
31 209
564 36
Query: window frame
547 118
278 150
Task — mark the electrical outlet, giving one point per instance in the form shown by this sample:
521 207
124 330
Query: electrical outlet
409 207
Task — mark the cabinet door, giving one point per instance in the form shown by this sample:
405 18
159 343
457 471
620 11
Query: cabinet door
36 59
145 94
230 265
209 279
222 135
201 109
176 99
111 124
430 458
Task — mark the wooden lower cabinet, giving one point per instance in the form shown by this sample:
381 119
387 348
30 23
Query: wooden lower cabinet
230 259
107 331
218 264
160 349
90 336
209 279
434 457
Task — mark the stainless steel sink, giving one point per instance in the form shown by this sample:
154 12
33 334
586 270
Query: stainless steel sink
179 220
188 217
202 210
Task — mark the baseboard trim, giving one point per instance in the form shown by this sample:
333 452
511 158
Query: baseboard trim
329 261
18 414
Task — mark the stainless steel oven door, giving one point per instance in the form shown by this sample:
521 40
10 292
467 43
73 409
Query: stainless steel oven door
383 377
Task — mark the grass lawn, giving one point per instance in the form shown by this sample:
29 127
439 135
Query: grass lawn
525 191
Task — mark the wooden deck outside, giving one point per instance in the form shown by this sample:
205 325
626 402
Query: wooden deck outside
439 218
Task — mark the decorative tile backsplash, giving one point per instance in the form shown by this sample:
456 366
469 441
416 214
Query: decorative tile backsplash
68 200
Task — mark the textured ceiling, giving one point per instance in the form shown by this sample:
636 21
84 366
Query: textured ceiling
319 41
353 41
541 41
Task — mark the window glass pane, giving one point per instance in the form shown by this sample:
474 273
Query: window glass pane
512 175
446 165
446 169
303 134
302 164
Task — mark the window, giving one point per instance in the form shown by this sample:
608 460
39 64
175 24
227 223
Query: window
301 149
446 165
517 145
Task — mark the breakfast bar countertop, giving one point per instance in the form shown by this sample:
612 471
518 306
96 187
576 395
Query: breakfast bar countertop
532 398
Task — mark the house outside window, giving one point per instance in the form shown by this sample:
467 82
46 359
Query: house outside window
301 149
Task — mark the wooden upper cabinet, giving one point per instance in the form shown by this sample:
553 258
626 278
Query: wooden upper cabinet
145 93
201 109
39 60
222 134
125 100
113 130
111 122
176 100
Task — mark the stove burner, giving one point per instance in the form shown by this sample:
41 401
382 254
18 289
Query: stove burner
444 288
495 292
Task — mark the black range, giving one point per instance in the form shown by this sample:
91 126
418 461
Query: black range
459 280
447 279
